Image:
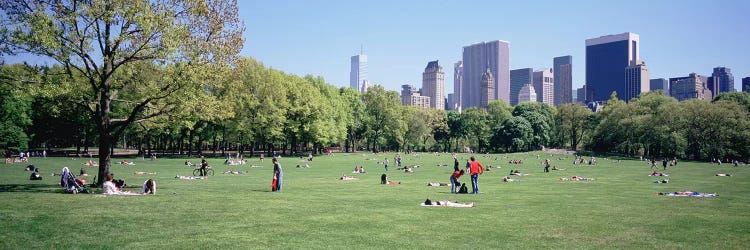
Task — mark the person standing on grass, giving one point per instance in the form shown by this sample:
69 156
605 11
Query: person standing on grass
277 175
475 169
386 164
664 163
455 163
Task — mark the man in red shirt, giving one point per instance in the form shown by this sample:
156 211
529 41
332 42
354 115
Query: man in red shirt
475 169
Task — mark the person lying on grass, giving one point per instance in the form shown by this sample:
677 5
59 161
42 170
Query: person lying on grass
127 163
346 178
111 189
517 173
576 178
724 175
689 194
384 180
445 203
182 177
139 172
661 181
235 172
508 179
656 173
91 163
555 168
438 184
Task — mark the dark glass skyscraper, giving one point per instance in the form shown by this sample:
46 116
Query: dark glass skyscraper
746 84
607 58
563 68
660 84
518 78
721 81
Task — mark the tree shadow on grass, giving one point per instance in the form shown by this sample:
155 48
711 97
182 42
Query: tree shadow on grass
30 188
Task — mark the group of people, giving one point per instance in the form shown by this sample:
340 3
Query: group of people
359 170
475 169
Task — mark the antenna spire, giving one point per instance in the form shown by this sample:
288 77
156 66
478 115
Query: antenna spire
361 49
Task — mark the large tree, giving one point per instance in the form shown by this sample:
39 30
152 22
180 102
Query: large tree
97 39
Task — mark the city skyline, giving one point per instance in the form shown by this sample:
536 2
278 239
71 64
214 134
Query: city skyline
318 38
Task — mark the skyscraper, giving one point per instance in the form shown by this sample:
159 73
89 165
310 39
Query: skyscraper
358 72
450 100
562 66
660 84
518 78
746 84
692 86
411 97
544 86
433 85
721 81
636 80
581 94
606 60
527 94
458 74
487 89
477 58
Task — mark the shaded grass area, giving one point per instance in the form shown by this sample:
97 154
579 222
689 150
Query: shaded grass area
619 209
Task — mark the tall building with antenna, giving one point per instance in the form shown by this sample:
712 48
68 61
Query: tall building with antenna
358 73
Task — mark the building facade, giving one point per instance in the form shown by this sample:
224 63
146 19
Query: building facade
606 60
477 59
693 86
407 90
581 94
433 85
746 84
527 93
449 100
637 80
487 90
458 74
562 66
358 72
519 78
721 81
659 84
543 82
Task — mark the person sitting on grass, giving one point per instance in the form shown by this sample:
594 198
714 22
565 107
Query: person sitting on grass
356 170
127 163
463 189
724 175
91 163
508 179
384 180
83 172
35 176
445 203
189 164
149 187
576 178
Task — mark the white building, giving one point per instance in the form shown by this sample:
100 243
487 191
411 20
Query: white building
527 94
544 85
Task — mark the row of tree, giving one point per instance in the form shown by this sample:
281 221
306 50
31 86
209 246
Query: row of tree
252 108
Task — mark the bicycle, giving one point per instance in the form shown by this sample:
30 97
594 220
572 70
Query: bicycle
209 172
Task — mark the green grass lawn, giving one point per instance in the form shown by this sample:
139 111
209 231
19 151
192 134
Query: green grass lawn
619 209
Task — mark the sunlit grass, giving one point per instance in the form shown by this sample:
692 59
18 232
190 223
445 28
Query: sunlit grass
619 209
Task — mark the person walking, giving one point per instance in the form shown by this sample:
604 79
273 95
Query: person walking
546 166
475 169
386 164
277 175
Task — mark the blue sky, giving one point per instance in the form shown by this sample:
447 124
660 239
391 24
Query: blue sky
400 37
